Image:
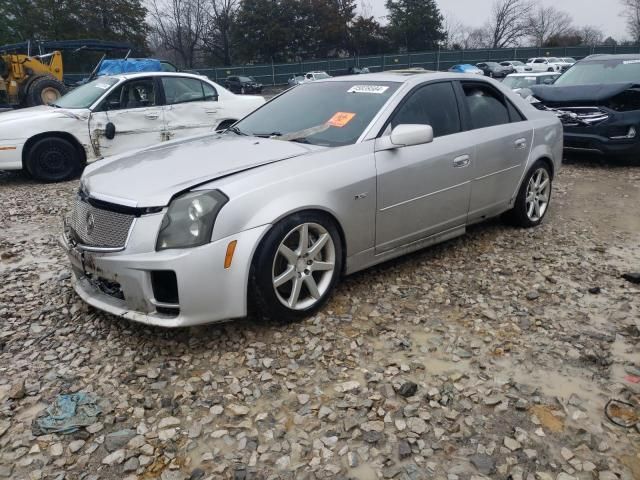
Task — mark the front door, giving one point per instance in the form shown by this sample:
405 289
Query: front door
503 142
424 189
192 107
135 111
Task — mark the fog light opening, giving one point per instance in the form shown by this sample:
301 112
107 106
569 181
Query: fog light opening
631 134
228 258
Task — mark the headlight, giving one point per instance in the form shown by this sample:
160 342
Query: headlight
189 219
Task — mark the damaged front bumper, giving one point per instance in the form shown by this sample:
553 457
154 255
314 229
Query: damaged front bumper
169 288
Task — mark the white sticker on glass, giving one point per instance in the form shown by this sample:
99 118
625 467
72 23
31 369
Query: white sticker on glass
377 89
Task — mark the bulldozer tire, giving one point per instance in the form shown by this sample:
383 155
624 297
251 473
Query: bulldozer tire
43 91
53 159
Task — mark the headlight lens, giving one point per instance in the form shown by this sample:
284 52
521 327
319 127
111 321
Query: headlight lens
189 219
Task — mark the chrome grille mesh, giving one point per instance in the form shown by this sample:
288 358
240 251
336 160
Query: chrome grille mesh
96 227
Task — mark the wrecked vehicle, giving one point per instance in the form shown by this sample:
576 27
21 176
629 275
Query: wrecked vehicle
598 102
113 115
326 179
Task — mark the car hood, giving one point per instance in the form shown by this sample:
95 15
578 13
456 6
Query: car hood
43 112
559 95
151 177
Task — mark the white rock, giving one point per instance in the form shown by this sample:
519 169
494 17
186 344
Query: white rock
168 422
116 457
347 386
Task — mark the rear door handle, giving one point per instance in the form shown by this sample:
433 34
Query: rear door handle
462 161
211 112
521 143
151 116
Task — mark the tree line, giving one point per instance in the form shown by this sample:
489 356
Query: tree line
193 33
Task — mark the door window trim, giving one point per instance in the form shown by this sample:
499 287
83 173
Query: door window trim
410 93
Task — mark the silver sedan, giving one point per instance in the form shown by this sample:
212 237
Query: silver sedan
327 179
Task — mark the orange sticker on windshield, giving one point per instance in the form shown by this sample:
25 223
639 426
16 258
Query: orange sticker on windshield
340 119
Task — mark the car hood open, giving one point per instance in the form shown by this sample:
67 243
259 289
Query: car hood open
150 177
558 95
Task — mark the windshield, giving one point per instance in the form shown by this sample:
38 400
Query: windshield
246 79
86 95
517 63
321 75
330 114
601 71
519 82
569 60
553 60
492 64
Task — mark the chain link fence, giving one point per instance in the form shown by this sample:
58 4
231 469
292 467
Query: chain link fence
279 73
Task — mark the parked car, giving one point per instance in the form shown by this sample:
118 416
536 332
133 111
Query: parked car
466 68
316 75
547 64
295 80
494 69
518 81
598 101
569 60
327 179
242 85
358 70
112 115
517 66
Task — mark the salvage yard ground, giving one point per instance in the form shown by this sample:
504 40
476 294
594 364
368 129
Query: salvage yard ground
512 356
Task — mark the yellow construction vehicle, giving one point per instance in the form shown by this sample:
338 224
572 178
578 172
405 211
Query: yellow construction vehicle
28 81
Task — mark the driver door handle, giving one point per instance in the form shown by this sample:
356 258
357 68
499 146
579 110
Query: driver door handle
151 116
462 161
521 143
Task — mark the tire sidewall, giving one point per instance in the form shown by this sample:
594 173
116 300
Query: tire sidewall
520 209
37 157
34 92
262 296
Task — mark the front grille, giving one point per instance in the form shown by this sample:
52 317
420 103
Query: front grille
96 227
580 116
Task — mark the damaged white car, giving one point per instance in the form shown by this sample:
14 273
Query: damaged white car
113 115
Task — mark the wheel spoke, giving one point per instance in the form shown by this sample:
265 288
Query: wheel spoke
312 286
530 209
285 276
317 247
321 266
289 254
295 292
543 185
537 208
303 246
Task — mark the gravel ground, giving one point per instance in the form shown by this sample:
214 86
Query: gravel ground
485 357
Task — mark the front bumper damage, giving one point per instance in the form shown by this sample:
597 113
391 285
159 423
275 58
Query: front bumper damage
169 288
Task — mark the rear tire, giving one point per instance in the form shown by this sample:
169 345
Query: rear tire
292 278
534 197
53 159
43 91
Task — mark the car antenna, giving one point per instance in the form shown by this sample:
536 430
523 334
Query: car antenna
126 57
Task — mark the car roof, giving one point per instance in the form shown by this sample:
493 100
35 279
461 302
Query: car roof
403 76
129 76
608 56
533 74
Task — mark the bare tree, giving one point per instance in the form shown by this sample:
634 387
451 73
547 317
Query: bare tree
180 26
544 23
456 33
590 35
631 13
506 26
221 20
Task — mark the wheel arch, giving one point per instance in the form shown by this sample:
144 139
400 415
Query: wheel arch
54 134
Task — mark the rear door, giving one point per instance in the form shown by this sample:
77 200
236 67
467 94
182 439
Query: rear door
191 106
135 110
503 140
424 189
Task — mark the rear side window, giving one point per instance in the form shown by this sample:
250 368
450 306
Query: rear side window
514 113
486 106
182 90
433 105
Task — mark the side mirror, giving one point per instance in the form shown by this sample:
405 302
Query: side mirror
411 134
110 131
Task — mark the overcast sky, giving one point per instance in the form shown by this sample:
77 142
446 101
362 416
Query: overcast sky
601 13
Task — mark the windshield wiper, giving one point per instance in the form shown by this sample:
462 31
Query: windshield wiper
237 131
54 105
267 135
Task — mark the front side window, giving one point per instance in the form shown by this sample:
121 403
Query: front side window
182 90
137 93
486 106
86 95
540 60
433 105
331 114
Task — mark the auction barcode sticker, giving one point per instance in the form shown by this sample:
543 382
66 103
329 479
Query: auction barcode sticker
378 89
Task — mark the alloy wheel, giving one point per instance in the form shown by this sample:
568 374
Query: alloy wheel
304 266
538 194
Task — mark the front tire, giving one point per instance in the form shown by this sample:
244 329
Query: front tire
296 267
534 197
53 160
